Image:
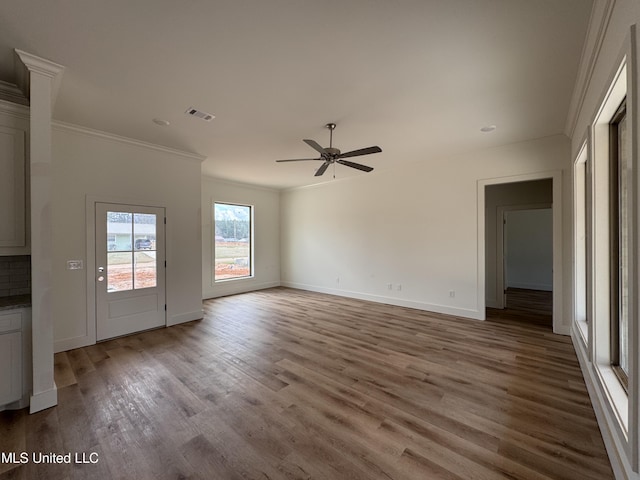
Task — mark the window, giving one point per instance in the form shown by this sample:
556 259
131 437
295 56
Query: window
232 241
620 178
582 191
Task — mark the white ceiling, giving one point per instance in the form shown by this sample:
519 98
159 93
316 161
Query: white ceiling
419 78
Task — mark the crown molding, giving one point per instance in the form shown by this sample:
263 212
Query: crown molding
38 64
232 183
90 132
598 25
14 110
27 64
11 93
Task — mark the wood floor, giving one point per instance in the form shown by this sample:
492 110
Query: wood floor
287 384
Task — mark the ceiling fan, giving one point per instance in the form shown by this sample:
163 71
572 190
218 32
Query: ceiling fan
332 155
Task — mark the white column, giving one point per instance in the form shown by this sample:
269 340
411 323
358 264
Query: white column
39 85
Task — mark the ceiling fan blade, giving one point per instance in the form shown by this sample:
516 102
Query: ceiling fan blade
299 159
322 169
362 151
313 144
357 166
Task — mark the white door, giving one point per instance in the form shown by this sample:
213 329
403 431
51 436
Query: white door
130 269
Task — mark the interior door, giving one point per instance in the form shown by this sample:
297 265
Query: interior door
130 269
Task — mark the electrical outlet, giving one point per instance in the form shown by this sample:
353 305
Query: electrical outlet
399 287
452 293
389 286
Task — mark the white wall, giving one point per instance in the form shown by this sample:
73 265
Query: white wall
416 228
266 234
529 249
87 163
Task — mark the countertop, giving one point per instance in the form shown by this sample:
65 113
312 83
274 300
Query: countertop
15 301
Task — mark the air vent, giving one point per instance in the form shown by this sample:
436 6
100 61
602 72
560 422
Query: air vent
194 112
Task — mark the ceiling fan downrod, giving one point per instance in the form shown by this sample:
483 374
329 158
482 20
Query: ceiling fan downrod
331 127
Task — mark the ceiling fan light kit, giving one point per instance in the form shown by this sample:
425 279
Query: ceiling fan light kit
332 155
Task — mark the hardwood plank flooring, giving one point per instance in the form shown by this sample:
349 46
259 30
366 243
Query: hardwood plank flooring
288 384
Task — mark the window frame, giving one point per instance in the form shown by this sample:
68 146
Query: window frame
618 209
250 238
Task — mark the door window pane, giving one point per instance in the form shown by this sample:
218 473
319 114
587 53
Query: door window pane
144 231
145 269
119 231
119 271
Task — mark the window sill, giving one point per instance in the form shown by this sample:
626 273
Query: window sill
583 328
618 398
227 280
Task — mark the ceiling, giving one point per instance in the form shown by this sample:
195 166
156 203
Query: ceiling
419 78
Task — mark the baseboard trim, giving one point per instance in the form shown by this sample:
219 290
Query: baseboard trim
43 400
532 286
185 317
231 288
71 343
428 307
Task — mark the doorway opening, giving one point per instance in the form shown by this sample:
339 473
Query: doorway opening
521 248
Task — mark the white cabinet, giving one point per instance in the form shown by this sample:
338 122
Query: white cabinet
15 362
14 125
10 367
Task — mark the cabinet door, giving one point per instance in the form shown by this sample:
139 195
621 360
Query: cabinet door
12 187
10 367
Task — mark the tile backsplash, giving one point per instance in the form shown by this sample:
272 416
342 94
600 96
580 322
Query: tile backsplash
15 275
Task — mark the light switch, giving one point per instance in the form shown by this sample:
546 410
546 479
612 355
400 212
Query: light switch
74 265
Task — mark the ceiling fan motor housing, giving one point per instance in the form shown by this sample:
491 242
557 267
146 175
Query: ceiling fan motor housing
332 153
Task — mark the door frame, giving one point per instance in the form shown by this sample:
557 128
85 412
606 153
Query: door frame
90 217
556 177
500 246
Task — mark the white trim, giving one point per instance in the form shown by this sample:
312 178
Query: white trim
329 181
12 94
617 405
581 300
185 317
556 176
72 343
38 64
239 286
43 400
598 24
34 65
78 129
12 109
429 307
232 183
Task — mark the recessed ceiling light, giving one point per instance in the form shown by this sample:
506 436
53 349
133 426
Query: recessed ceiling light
162 123
488 128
